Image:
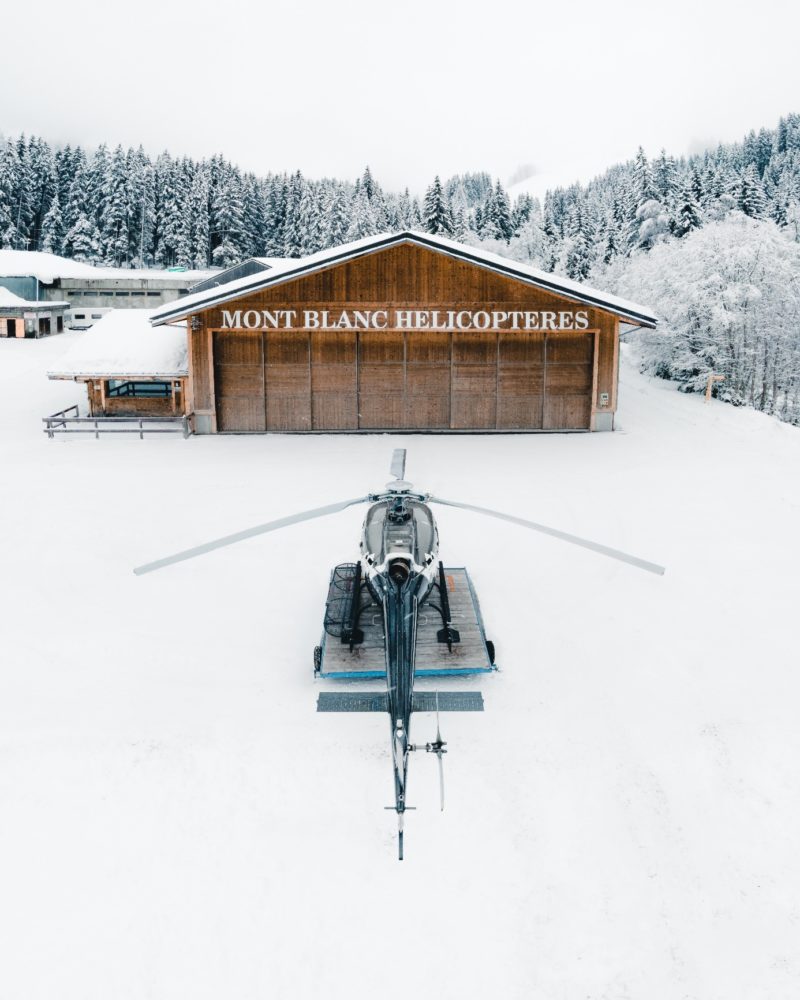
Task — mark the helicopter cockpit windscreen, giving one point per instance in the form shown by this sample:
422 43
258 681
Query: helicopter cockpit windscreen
386 536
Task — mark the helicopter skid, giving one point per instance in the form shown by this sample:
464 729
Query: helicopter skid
433 659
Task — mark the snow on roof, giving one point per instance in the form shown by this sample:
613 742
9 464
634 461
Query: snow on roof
272 261
288 269
47 267
123 343
8 300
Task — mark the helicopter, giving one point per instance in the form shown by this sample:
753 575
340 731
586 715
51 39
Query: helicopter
400 573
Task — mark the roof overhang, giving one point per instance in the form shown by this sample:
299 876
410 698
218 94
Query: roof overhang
563 287
121 376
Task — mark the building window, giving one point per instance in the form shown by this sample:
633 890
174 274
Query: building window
118 294
143 390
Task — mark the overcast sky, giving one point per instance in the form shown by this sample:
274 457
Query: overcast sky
558 91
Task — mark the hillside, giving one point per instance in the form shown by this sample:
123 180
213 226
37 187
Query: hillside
621 822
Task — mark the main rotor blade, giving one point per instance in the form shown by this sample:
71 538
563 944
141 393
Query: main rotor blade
240 536
398 469
584 543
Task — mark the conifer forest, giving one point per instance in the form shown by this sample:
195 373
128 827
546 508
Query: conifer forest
711 242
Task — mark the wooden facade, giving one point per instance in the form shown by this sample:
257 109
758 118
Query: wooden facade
103 404
494 379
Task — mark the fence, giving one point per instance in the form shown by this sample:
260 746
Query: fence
61 423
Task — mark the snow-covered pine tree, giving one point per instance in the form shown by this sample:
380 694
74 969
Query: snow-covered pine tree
501 212
688 214
665 177
521 212
579 254
83 240
436 211
8 184
114 233
336 215
293 236
362 218
141 208
751 194
52 240
96 180
253 226
460 231
309 221
275 215
199 231
227 211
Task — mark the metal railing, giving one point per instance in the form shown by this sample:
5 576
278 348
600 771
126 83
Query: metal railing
60 423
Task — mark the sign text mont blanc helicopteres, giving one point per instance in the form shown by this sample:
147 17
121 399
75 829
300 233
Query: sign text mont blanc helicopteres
402 319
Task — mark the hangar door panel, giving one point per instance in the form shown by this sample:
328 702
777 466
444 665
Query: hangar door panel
474 381
239 381
287 376
381 379
427 403
520 380
569 361
334 385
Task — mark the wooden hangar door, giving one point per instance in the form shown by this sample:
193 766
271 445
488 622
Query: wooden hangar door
403 380
299 380
239 380
568 381
287 380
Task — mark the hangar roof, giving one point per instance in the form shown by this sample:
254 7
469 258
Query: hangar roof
288 270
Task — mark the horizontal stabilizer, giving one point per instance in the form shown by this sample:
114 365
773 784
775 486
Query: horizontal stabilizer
356 701
449 701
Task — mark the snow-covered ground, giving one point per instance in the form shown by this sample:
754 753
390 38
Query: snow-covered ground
176 820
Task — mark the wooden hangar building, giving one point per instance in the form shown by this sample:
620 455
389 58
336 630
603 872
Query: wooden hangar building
402 332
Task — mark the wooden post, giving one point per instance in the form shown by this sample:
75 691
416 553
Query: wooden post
711 380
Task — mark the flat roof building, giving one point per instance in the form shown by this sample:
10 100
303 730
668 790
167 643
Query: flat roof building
91 291
22 318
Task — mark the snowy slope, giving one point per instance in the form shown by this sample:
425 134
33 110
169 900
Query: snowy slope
621 822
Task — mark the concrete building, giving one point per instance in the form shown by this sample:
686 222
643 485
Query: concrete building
22 318
90 291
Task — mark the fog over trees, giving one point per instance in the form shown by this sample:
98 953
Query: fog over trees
711 242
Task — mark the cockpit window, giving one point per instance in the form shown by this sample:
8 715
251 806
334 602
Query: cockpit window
416 535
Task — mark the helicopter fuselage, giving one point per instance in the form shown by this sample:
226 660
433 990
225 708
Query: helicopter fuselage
399 560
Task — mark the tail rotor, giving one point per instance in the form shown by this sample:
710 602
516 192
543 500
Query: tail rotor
439 749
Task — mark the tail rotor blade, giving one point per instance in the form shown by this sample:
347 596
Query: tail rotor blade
440 754
398 468
240 536
585 543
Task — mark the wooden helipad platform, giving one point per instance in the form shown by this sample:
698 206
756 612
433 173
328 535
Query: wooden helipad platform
470 656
